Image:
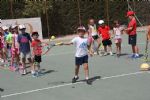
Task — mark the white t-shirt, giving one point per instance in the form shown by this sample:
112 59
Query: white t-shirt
81 46
117 31
93 30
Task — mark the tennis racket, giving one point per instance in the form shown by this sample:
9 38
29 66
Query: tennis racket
46 47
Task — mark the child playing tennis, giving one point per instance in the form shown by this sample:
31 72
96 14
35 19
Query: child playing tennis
104 32
37 52
81 56
117 31
24 41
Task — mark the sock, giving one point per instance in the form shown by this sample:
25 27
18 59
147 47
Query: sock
75 76
137 54
32 72
87 78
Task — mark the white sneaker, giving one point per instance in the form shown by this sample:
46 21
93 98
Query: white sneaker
95 53
105 54
24 72
111 53
2 60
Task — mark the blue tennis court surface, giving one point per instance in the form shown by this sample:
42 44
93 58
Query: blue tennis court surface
112 78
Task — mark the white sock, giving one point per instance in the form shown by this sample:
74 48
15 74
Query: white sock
137 54
75 76
87 78
32 72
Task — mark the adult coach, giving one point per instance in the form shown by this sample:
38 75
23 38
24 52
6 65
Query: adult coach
131 31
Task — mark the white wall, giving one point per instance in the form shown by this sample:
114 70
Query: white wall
32 24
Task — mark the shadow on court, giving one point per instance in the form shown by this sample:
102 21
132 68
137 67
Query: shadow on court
1 90
63 82
44 72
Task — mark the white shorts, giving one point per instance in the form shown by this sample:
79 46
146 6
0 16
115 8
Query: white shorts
27 55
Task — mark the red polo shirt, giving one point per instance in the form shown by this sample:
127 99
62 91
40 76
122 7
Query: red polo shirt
133 24
104 31
37 48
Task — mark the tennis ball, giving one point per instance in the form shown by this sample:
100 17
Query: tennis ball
52 37
144 67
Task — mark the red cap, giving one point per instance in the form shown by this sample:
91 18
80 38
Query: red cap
130 13
33 33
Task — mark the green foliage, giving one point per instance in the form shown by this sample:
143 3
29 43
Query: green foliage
36 8
63 15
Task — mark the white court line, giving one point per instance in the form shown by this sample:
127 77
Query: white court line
68 84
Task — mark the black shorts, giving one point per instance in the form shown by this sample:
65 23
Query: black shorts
37 59
95 37
132 40
107 42
81 60
8 46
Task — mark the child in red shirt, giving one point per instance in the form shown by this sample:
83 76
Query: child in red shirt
37 52
103 31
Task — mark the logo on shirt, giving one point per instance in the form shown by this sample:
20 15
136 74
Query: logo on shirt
24 40
83 45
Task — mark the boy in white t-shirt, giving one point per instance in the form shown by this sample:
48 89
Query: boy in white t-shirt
117 31
81 56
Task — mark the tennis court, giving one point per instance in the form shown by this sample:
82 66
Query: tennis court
112 78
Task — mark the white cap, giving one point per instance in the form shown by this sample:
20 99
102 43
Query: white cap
5 27
22 26
100 22
81 28
13 26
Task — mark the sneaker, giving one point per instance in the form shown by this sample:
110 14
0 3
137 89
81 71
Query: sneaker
34 74
131 56
74 80
136 56
1 60
95 53
118 55
39 73
111 53
88 82
105 54
22 72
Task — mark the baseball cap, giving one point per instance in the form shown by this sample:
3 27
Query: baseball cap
22 26
81 28
13 26
100 22
34 33
5 27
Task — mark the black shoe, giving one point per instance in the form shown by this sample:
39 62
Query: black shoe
118 55
1 89
88 82
75 79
